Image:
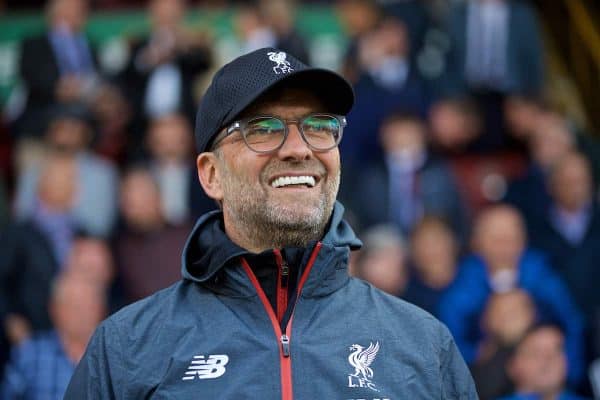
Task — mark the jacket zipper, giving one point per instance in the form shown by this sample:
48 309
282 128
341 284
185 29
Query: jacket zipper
283 337
283 272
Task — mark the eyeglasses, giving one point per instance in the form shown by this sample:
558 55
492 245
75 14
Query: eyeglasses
267 133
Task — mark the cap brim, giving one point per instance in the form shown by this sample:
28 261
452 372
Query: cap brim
335 92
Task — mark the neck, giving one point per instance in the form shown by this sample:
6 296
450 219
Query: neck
73 345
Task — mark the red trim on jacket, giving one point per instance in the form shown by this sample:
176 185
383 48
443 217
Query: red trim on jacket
282 337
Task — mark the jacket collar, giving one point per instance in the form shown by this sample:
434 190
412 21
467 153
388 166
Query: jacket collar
212 259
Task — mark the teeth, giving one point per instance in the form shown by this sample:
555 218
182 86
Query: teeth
293 180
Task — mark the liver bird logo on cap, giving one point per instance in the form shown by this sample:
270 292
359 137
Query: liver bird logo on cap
283 66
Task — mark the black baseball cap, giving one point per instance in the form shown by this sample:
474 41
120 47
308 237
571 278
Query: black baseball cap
242 81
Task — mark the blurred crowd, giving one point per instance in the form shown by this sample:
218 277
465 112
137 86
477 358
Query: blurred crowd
475 195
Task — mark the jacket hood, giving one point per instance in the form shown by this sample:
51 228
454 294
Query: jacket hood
208 248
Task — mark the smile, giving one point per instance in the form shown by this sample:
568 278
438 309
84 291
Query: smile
283 181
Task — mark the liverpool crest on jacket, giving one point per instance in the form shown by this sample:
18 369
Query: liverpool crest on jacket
361 359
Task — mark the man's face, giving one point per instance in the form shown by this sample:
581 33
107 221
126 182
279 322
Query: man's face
405 138
500 238
571 184
286 215
508 315
71 14
539 364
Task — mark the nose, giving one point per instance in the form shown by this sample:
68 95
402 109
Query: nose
294 147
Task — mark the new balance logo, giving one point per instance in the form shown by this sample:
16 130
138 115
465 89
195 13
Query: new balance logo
210 368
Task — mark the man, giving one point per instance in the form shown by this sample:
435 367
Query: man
501 260
71 132
159 78
382 260
568 230
40 368
145 243
406 183
169 144
32 252
266 309
538 366
59 66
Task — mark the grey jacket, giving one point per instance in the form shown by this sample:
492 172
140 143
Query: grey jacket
215 335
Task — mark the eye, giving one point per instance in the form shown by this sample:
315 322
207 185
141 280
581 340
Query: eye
321 124
264 126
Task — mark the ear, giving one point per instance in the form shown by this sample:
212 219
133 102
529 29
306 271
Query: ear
209 175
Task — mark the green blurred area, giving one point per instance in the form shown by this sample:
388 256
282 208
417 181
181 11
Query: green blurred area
107 31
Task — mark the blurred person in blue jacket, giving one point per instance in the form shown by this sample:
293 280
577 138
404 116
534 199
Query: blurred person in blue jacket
501 261
41 367
538 367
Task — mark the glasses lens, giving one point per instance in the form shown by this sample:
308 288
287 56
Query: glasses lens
264 133
321 131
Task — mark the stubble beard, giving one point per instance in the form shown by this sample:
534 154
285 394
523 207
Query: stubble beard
266 222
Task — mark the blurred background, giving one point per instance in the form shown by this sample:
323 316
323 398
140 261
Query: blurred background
471 166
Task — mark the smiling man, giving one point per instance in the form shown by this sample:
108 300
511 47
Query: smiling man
266 309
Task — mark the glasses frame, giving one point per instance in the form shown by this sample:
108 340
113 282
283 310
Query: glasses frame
241 124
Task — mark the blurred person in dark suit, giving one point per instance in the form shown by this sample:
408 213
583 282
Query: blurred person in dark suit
41 367
57 67
147 248
496 50
32 251
520 116
163 66
538 367
482 171
549 141
386 82
71 132
169 140
407 183
434 252
568 230
496 45
506 319
502 261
